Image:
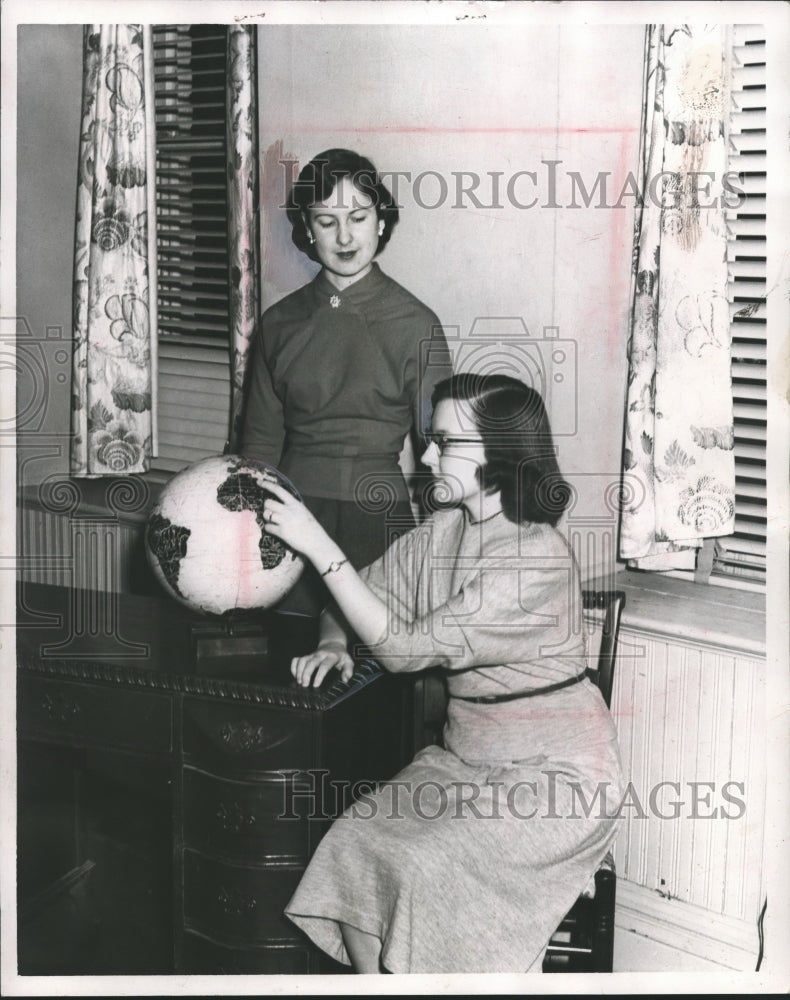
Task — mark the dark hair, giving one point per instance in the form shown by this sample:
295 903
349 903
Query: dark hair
520 455
318 179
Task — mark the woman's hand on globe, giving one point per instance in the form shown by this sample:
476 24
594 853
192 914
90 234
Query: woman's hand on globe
364 611
315 666
287 518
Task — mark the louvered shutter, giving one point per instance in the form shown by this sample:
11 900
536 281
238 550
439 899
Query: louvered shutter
743 554
192 242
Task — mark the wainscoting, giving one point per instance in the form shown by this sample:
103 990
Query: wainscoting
689 707
87 534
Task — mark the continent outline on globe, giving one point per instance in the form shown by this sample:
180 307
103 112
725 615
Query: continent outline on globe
207 543
250 495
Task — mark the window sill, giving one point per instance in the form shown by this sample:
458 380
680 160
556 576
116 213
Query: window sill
661 605
709 615
128 498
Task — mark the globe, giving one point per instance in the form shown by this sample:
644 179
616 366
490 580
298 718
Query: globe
207 543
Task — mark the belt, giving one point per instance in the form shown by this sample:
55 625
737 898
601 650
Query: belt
494 699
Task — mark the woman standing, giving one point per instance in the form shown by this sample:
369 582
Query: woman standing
343 368
470 857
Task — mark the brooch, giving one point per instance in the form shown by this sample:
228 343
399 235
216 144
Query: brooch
334 301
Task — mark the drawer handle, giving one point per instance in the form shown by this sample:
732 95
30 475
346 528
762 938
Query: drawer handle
233 817
245 737
236 903
59 708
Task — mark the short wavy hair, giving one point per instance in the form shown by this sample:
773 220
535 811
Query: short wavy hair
318 179
521 459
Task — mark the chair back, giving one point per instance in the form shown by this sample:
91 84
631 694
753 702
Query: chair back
611 603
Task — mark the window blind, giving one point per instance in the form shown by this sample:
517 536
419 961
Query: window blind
192 242
742 555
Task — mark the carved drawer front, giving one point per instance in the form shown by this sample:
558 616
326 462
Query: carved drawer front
245 820
246 737
91 714
204 957
238 905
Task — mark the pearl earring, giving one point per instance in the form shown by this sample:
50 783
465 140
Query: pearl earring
310 236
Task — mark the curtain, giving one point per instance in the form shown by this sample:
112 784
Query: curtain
113 373
243 220
678 461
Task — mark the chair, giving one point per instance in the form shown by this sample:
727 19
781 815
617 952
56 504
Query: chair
584 941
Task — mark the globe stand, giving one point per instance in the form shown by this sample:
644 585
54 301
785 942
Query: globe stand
232 646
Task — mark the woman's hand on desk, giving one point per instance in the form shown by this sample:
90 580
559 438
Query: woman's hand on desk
315 666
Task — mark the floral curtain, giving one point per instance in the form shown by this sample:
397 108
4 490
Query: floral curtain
243 222
678 455
114 280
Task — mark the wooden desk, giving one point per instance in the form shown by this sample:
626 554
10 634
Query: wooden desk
249 768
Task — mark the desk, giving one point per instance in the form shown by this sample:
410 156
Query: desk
248 767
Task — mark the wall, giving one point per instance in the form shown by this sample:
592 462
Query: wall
482 100
415 99
49 93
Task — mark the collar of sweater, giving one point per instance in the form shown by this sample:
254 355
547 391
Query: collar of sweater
357 294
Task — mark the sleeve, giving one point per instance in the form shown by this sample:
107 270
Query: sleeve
263 426
393 577
505 614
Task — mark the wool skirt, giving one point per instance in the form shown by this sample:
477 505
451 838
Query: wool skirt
467 861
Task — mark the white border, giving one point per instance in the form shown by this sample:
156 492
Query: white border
466 16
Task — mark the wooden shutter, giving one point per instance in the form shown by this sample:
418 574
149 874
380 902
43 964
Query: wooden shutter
743 554
192 242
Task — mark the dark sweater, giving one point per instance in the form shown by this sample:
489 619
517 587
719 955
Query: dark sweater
338 379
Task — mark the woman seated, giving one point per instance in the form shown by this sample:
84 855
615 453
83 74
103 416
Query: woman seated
469 859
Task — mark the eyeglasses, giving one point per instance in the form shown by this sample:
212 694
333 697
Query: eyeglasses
443 440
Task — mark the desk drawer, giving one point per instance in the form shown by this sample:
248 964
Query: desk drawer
86 715
244 819
246 737
238 905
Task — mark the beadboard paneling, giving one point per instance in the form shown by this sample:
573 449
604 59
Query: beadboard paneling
93 553
687 713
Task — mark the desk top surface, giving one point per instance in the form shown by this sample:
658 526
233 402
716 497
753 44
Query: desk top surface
150 642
